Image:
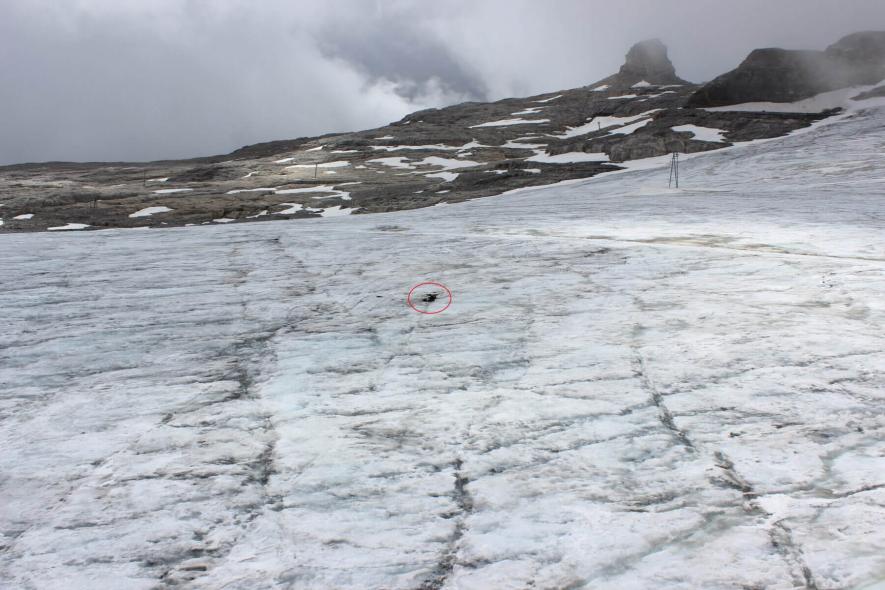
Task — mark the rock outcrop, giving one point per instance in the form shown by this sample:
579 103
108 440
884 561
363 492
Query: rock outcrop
647 61
781 75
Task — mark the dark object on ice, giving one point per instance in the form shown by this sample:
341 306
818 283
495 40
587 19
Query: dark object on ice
429 297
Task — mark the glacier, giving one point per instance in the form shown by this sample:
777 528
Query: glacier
634 387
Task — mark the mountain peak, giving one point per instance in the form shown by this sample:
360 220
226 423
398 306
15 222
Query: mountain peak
647 61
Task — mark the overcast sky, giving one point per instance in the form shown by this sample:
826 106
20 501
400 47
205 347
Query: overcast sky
150 79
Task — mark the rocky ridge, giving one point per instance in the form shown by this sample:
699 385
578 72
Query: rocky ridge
783 75
428 158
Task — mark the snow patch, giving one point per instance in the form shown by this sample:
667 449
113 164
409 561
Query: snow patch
68 226
529 111
516 145
148 211
506 122
169 191
604 122
292 208
568 158
250 190
629 129
815 104
446 176
702 133
323 188
336 211
336 164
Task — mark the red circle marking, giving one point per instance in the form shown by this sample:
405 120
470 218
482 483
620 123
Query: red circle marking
412 305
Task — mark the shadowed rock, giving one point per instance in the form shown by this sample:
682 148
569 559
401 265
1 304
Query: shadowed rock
782 75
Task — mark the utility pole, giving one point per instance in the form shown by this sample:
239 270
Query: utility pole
674 170
315 166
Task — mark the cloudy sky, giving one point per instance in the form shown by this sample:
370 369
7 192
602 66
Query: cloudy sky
150 79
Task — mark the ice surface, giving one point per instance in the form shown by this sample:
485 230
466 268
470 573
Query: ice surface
633 388
148 211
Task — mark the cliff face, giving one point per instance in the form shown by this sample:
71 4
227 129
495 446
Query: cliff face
781 75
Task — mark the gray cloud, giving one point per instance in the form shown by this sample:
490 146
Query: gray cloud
402 51
150 79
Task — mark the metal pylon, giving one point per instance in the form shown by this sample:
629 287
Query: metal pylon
674 170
